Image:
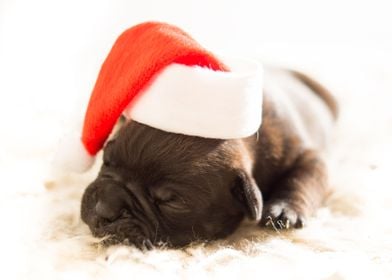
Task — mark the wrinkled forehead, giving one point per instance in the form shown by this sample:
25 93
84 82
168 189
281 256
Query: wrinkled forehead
140 146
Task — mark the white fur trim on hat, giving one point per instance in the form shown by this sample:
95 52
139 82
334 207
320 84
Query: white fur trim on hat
201 102
72 155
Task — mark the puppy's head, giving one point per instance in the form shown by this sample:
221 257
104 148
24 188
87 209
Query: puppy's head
157 186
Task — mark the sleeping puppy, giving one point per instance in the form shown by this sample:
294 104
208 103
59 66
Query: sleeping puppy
156 186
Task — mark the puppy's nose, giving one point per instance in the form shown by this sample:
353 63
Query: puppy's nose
110 203
106 211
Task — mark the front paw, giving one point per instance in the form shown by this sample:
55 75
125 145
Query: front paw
281 214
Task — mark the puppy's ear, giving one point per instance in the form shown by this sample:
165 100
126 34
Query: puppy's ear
246 191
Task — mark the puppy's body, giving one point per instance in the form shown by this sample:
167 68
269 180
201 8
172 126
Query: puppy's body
157 186
308 111
297 122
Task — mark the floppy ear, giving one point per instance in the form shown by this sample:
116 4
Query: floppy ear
246 191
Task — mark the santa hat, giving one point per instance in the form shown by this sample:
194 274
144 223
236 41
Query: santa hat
156 74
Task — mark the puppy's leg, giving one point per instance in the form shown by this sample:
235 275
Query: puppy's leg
297 194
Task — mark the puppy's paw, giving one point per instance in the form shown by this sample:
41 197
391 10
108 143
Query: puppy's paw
280 214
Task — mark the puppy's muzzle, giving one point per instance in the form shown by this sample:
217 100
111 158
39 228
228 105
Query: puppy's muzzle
113 215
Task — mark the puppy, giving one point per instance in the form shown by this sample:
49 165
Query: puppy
156 186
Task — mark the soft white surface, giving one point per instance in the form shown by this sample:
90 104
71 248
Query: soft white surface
200 102
50 56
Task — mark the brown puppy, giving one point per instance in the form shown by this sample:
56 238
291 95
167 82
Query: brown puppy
157 186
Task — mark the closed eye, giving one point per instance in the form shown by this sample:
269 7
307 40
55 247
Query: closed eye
172 202
175 204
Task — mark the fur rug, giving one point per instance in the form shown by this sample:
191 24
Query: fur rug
42 236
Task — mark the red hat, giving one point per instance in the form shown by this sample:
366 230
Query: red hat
158 75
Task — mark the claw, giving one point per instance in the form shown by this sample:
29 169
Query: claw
280 215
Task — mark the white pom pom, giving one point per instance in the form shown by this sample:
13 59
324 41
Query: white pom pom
71 155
